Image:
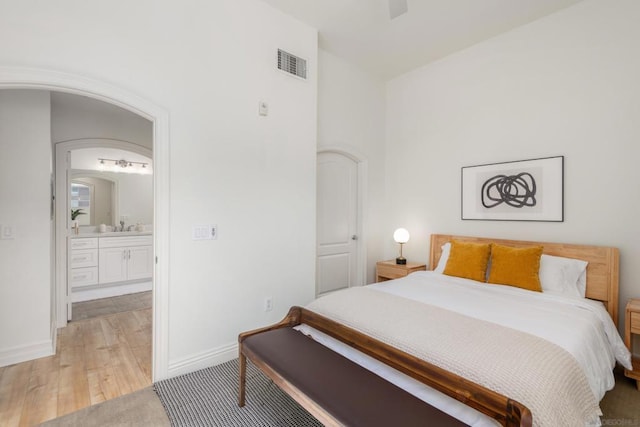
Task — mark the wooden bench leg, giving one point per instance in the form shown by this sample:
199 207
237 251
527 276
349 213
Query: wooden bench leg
243 375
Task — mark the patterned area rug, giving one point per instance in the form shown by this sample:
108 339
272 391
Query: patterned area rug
209 398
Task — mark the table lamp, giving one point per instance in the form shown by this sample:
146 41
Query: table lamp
401 235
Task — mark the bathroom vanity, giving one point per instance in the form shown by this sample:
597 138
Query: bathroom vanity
103 265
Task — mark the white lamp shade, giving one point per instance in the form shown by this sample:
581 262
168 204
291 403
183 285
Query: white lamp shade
401 235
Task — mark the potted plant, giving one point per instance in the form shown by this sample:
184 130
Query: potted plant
74 215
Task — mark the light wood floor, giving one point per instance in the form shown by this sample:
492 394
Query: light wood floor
96 360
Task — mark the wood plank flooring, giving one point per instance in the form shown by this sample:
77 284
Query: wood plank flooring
96 359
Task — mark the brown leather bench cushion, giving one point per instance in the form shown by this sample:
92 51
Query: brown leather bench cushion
349 392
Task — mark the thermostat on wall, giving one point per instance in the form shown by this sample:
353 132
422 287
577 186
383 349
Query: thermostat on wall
263 108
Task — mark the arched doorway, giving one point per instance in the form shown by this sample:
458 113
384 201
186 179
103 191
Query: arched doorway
23 78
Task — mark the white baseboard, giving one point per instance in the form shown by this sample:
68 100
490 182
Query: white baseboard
26 352
107 291
203 360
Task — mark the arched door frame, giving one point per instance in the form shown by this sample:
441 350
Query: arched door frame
29 78
362 200
63 180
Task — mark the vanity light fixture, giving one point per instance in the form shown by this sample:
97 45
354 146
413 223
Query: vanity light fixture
401 235
122 164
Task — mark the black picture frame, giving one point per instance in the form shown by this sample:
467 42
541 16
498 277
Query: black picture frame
521 190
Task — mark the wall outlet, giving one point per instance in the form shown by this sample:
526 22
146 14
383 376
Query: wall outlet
268 304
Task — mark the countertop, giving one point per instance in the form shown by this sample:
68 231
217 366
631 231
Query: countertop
111 234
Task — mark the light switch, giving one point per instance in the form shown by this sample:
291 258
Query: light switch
7 232
200 232
205 232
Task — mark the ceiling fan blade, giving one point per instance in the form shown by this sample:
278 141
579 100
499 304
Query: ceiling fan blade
397 8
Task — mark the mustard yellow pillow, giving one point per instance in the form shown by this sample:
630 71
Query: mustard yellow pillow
468 260
516 267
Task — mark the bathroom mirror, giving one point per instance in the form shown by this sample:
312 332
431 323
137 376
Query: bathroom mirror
109 197
95 196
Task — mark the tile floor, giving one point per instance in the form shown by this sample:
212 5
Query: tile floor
106 306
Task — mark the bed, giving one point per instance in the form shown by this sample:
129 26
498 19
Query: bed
550 351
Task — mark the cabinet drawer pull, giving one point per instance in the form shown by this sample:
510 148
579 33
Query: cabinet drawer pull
80 258
79 277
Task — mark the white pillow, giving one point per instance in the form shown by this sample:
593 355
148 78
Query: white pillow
582 281
444 256
563 276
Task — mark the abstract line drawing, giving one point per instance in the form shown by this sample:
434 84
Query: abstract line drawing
521 190
517 191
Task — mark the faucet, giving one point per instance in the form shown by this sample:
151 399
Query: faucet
121 225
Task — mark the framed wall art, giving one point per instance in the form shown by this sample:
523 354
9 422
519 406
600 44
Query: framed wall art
523 190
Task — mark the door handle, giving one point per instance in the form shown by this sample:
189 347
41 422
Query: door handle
354 237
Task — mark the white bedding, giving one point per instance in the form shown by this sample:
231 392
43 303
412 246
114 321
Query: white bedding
582 327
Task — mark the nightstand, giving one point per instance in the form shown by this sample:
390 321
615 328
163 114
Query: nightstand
631 327
388 270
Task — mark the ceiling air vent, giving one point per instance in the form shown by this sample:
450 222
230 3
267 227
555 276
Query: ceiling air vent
292 64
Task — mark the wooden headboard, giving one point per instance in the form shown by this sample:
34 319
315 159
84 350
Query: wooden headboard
602 270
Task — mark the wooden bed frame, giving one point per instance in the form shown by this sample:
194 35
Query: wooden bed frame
602 285
602 271
507 412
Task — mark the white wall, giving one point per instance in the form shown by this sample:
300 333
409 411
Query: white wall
78 117
351 117
564 85
208 64
25 203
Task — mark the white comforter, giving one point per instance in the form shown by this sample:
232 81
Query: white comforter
581 327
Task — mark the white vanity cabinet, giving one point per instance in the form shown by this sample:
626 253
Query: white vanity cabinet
105 266
83 262
125 258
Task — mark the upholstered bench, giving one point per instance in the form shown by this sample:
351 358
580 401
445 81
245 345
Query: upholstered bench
348 393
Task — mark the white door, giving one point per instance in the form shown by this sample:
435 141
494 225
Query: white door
337 216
